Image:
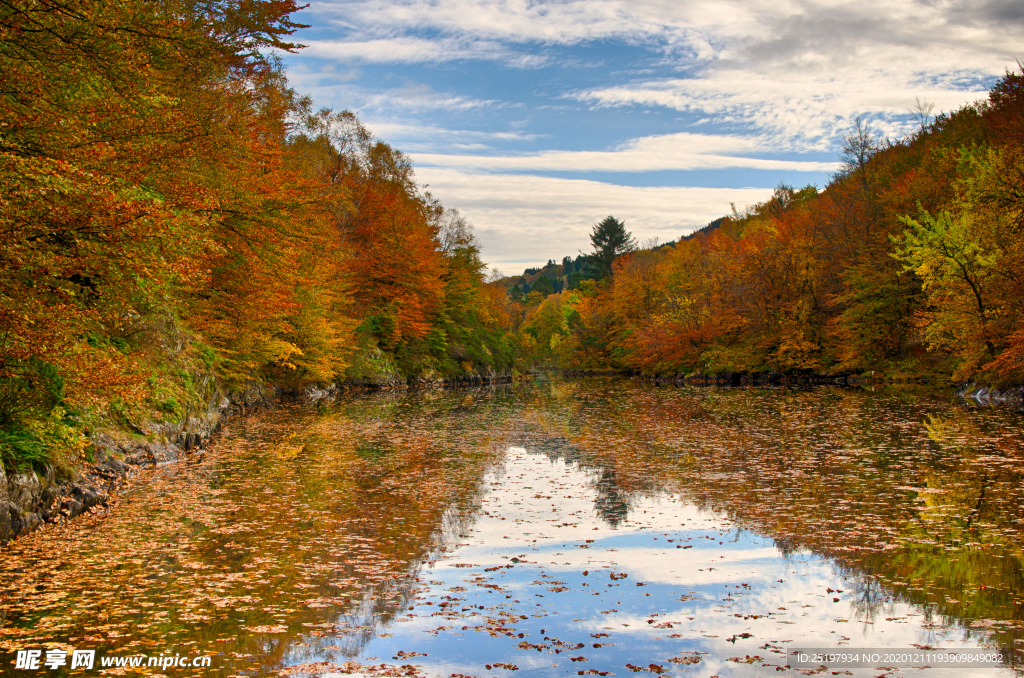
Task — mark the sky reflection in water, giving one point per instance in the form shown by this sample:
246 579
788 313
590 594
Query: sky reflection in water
696 586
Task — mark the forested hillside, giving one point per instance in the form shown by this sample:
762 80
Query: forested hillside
176 222
173 215
910 262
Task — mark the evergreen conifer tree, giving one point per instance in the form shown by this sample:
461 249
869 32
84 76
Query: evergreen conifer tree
609 238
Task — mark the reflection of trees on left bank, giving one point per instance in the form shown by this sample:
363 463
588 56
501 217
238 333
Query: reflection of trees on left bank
307 529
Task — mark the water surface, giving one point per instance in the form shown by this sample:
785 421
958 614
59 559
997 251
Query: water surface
548 529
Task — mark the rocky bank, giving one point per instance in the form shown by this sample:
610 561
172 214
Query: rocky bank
32 499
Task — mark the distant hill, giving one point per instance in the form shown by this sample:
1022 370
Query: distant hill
557 276
707 230
571 271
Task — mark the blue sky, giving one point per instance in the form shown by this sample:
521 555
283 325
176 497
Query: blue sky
536 119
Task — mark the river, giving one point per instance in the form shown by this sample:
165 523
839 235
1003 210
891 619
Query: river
551 528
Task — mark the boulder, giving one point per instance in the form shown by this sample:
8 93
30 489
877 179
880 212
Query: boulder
87 495
115 465
24 490
72 508
5 515
29 521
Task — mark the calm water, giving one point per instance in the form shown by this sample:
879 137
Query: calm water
594 527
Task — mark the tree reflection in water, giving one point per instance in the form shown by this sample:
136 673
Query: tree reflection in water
329 525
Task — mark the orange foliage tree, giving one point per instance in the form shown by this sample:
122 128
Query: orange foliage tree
908 262
160 204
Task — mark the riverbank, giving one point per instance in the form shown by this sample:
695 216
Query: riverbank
985 395
36 497
989 395
776 378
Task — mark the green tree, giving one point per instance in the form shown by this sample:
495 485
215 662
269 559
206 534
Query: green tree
543 285
956 265
609 238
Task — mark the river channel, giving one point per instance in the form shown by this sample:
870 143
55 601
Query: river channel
550 528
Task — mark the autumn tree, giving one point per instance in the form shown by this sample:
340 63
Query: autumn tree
908 261
543 286
125 125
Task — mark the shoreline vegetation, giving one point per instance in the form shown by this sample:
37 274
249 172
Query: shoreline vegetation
182 233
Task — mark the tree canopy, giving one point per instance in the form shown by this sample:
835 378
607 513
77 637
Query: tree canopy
175 220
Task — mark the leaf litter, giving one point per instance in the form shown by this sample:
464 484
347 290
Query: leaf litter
302 536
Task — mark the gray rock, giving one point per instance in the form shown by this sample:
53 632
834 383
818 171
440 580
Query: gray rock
72 508
24 490
87 495
48 496
314 393
100 472
163 454
5 516
137 459
29 522
117 466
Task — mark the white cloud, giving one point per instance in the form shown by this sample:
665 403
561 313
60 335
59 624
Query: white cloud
423 138
421 97
409 49
798 69
331 88
799 112
797 32
682 151
514 21
525 220
776 76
